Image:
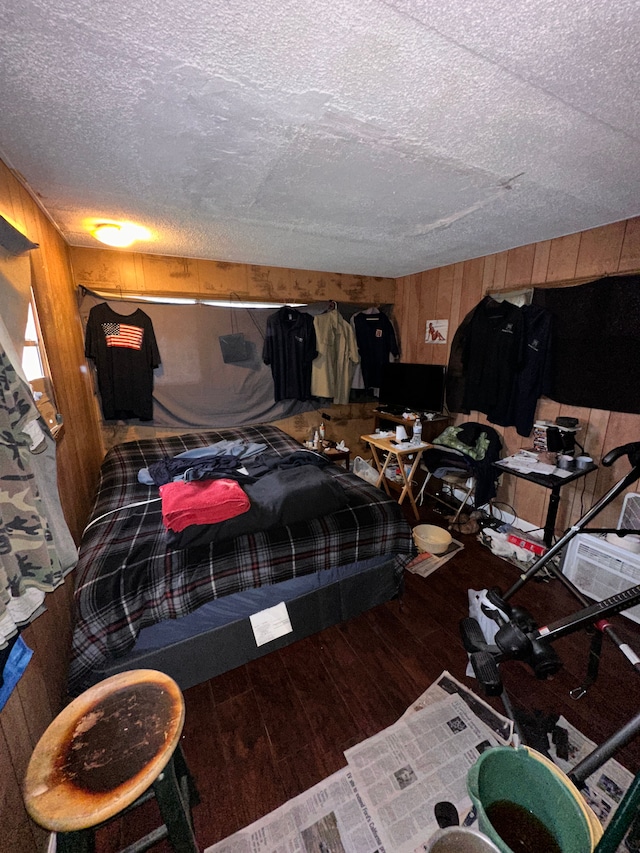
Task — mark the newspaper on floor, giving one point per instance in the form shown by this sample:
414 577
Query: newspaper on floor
605 787
383 802
423 759
446 685
424 564
331 817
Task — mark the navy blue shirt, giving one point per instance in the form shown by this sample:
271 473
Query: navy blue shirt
289 348
376 340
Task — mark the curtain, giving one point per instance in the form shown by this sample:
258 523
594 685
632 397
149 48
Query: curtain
36 547
30 565
595 342
15 295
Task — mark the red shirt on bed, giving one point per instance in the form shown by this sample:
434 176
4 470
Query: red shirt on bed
201 502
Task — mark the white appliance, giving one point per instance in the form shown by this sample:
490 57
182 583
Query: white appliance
600 569
630 515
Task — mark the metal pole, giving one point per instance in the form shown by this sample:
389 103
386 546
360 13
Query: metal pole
604 752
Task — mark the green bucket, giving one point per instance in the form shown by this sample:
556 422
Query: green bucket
528 780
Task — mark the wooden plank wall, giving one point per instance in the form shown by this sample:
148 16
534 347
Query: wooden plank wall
130 272
450 292
41 692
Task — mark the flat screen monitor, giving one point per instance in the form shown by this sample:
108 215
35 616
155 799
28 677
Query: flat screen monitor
412 387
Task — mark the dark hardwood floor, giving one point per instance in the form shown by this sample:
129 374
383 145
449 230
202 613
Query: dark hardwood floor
267 731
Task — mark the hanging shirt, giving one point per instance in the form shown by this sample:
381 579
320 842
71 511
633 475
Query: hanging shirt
289 349
493 356
535 375
455 380
332 370
125 353
376 342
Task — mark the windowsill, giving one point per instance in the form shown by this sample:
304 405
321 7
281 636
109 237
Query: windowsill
57 432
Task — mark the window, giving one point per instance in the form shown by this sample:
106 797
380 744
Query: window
31 359
36 370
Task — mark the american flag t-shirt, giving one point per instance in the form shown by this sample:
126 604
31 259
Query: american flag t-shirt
123 335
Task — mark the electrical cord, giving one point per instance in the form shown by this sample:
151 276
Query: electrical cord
118 509
493 504
584 487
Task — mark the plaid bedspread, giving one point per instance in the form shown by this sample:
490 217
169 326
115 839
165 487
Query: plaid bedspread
128 577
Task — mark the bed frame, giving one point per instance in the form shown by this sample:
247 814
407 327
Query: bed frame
206 655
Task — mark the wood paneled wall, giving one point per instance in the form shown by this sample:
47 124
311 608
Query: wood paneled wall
41 692
450 292
130 272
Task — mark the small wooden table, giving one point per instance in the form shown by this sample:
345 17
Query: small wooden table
336 455
400 452
431 427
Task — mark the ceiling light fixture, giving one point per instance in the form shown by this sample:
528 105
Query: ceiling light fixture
111 234
119 234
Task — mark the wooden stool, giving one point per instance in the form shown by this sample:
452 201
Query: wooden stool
115 746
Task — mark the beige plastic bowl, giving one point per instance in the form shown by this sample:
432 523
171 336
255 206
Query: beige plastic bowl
429 537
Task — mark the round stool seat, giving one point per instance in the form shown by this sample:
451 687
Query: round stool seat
104 750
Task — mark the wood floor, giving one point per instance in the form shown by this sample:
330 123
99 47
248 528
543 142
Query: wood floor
267 731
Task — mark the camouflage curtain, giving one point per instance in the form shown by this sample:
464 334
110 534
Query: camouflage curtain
29 564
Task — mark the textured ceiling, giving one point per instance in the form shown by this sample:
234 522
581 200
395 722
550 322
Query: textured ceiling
375 137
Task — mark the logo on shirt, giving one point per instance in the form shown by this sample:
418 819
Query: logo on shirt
508 329
535 345
122 335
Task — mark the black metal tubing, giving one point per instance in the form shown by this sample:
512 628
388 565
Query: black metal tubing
591 614
597 508
603 753
588 615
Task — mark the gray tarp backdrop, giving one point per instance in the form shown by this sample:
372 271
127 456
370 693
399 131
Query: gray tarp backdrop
194 387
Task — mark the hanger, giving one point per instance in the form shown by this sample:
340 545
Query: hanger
516 297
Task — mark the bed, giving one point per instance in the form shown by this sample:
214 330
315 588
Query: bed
143 602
